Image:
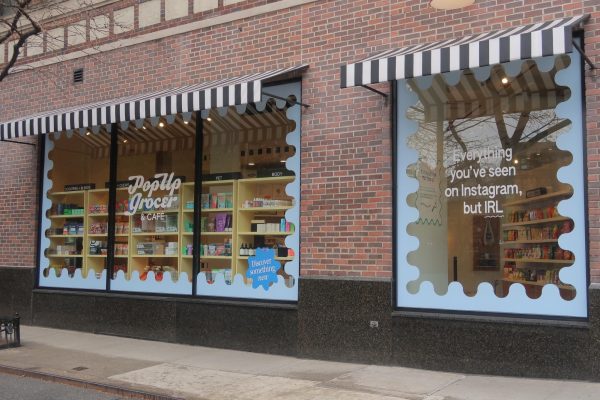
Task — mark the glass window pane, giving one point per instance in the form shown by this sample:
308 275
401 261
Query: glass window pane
487 163
246 196
75 215
155 194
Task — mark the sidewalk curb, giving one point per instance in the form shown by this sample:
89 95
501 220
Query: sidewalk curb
101 387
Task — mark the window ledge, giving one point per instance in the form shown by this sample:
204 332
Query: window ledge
502 319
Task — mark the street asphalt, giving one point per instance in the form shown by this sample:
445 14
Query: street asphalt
23 388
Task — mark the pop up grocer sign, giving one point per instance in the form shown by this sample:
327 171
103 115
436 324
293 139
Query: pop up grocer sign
143 192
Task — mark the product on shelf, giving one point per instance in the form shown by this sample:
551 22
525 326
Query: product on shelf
98 209
217 200
216 249
261 202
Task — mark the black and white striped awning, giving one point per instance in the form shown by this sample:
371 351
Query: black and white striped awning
530 41
221 93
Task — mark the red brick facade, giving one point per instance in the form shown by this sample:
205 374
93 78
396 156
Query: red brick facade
346 208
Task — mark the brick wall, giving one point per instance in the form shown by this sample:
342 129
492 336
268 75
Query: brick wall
346 137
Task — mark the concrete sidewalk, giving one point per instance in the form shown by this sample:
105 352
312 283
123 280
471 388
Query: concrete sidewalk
192 372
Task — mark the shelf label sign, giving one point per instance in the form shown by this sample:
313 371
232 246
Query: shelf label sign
262 268
79 186
164 182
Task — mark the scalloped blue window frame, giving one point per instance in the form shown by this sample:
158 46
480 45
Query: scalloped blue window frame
549 304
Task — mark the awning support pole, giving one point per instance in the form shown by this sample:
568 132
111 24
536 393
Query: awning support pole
294 102
585 57
14 141
385 96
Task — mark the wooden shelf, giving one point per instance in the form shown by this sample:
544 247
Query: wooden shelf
104 256
277 179
218 183
536 222
216 233
531 241
169 211
265 233
276 258
64 256
66 216
81 192
186 257
535 283
537 260
188 210
213 210
254 209
98 215
64 236
549 196
216 257
154 256
155 234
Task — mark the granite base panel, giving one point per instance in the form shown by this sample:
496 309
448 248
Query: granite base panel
16 284
333 321
337 318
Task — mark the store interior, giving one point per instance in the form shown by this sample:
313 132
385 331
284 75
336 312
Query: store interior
242 205
488 189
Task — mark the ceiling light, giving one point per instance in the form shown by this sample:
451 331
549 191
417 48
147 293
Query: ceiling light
516 161
251 164
162 125
209 119
186 122
504 81
450 4
124 140
88 133
143 127
282 161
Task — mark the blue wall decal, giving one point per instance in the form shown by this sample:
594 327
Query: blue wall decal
262 268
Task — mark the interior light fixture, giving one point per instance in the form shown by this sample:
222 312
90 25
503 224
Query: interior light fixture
124 140
282 161
209 119
88 133
143 127
516 161
251 164
504 81
186 122
162 124
450 4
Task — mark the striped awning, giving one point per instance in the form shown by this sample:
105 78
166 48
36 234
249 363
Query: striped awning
536 40
220 93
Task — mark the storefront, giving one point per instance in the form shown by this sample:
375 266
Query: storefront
490 171
445 219
193 192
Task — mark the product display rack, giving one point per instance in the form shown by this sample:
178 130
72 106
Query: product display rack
248 190
211 263
93 238
530 251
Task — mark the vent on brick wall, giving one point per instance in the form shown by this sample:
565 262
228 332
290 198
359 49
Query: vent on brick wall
78 75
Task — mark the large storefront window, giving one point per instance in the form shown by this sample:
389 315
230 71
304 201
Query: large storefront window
490 197
75 210
244 219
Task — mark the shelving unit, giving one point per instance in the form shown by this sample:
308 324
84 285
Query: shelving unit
219 199
268 189
530 251
131 231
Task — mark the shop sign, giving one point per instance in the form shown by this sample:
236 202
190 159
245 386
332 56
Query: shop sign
79 186
144 200
262 268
